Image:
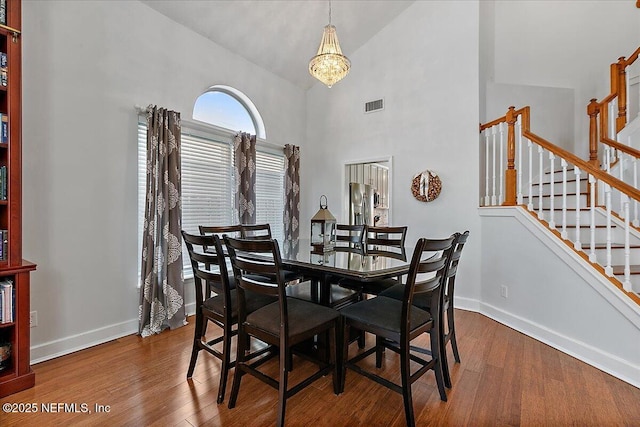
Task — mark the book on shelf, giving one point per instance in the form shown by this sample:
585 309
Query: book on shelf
5 243
3 12
3 183
4 128
8 300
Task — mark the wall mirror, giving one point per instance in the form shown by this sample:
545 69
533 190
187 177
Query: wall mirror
367 192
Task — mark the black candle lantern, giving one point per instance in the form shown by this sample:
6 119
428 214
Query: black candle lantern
323 229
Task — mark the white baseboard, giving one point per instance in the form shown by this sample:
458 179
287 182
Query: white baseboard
84 340
609 363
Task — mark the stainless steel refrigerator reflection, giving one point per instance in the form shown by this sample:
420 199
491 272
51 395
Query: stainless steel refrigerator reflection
360 204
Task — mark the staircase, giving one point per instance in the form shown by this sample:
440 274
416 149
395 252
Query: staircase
593 205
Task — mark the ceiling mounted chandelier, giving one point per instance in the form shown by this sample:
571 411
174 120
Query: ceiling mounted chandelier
329 65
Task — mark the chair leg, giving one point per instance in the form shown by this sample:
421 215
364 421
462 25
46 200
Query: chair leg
406 385
282 386
345 354
333 354
197 338
238 372
226 361
452 333
436 353
379 352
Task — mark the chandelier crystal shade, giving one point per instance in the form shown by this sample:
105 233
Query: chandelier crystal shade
329 65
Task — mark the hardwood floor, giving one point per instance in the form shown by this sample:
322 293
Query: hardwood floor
505 378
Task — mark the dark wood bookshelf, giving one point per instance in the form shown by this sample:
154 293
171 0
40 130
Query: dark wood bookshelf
18 374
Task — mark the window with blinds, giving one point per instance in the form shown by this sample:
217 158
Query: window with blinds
208 183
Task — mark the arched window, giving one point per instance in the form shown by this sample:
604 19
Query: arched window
229 108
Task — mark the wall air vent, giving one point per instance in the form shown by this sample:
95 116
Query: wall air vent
371 106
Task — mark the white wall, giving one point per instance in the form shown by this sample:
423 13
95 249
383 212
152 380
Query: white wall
552 111
425 65
554 296
85 65
569 45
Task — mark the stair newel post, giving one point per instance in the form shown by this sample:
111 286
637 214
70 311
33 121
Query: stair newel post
592 211
510 173
593 109
621 121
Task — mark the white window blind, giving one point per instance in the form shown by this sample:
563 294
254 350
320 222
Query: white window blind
270 191
208 183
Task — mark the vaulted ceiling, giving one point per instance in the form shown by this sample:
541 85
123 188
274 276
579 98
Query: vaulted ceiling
281 36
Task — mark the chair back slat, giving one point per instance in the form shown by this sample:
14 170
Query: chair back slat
256 266
426 276
208 265
350 235
255 231
386 236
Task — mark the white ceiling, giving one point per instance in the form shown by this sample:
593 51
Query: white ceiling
281 36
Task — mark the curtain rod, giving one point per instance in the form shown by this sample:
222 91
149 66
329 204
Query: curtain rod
205 126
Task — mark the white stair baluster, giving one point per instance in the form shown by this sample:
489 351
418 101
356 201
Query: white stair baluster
627 251
577 245
623 160
487 147
494 201
530 204
552 223
635 185
563 233
608 270
540 180
519 133
607 159
502 164
592 225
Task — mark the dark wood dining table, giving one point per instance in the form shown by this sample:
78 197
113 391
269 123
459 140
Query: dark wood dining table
362 264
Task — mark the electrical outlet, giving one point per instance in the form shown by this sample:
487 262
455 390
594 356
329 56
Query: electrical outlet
33 319
503 291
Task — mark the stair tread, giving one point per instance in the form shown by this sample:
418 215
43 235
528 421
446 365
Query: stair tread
559 195
559 182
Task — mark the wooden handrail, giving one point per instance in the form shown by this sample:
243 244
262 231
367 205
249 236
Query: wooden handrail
510 184
633 57
621 147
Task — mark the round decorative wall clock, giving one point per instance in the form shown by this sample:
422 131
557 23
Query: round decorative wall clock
426 186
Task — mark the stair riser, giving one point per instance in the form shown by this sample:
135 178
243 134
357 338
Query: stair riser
557 200
557 187
617 235
617 256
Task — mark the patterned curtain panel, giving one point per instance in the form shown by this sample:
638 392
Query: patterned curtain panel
162 287
244 146
291 196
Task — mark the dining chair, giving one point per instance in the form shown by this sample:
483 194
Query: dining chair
257 266
215 302
381 241
395 323
348 238
448 327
